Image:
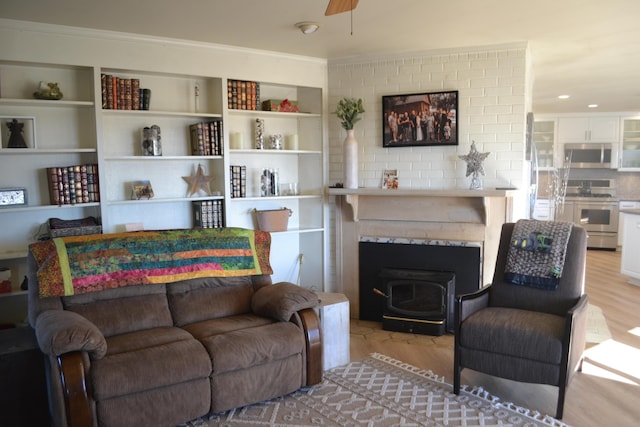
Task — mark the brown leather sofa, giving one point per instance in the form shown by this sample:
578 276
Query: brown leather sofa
165 354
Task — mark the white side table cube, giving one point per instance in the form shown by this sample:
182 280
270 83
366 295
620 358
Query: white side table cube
333 312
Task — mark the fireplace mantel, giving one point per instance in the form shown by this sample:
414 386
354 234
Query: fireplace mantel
439 214
462 205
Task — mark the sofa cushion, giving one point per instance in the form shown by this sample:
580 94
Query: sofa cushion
122 314
516 336
254 346
223 325
145 360
192 301
281 300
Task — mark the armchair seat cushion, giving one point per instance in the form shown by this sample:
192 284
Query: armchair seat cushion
134 360
521 333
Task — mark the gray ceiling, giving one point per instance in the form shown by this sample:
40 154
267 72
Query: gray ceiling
586 48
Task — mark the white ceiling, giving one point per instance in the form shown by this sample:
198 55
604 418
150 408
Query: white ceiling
588 49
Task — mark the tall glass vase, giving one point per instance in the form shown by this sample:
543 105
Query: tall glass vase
350 160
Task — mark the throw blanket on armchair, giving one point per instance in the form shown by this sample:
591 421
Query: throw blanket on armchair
80 264
537 253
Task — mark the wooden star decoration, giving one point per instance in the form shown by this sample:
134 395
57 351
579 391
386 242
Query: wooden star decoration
198 182
474 160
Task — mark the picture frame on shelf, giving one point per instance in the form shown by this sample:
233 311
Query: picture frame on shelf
17 132
390 179
13 197
420 119
141 190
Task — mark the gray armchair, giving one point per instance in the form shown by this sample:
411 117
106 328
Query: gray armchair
523 333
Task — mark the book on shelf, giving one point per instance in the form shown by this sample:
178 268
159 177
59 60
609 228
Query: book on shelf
121 93
238 181
208 213
207 138
243 94
70 185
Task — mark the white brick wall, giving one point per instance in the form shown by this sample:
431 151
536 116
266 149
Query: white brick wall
492 85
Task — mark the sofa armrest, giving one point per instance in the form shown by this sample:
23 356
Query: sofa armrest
313 338
75 390
59 332
281 300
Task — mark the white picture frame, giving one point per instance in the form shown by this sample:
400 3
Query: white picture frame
28 131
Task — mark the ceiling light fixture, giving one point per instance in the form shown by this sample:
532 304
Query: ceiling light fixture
564 96
307 27
592 105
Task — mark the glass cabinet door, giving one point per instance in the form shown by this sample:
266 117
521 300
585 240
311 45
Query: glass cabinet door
543 138
630 144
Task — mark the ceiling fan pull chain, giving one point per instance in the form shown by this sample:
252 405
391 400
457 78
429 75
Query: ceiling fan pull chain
351 17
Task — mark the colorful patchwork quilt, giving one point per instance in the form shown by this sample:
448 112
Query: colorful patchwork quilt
79 264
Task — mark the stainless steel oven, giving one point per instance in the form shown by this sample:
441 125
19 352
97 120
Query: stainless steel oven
592 205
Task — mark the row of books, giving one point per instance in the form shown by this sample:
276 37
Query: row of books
207 138
243 95
123 94
208 213
75 184
238 181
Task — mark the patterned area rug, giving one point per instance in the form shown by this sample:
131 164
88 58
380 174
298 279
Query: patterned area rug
380 391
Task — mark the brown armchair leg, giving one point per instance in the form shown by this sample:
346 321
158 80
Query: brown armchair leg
311 326
76 395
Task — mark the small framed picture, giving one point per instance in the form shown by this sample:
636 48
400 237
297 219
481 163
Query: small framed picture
141 190
17 132
390 179
416 119
13 197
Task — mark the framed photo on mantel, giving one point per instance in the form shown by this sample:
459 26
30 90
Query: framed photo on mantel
416 119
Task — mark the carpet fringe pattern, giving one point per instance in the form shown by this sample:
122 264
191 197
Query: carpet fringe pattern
380 391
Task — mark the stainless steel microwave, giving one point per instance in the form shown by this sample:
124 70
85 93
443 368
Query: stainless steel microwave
590 155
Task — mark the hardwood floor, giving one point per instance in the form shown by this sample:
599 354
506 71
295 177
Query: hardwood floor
605 393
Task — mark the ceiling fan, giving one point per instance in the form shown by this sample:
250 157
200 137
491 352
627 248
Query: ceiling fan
340 6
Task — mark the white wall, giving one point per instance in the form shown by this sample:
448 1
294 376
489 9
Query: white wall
494 94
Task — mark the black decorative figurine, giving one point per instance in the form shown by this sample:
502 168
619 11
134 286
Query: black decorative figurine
16 140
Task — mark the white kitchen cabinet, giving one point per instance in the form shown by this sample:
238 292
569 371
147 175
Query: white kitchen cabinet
543 210
630 144
588 129
624 204
631 247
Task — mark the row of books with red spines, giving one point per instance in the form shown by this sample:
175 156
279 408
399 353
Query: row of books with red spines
238 181
123 93
208 213
243 94
207 138
70 185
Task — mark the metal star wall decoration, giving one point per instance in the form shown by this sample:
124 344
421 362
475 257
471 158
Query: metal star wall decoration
474 165
199 181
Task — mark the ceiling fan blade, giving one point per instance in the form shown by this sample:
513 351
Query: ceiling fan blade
340 6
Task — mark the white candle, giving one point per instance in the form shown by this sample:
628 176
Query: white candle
292 142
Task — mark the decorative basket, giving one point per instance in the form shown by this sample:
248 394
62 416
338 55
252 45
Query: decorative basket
273 220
